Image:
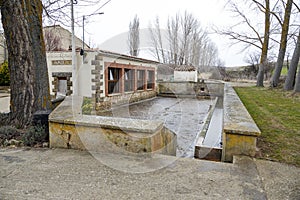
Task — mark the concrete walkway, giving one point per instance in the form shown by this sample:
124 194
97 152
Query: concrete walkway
71 174
4 102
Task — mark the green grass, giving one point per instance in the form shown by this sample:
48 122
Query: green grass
277 114
284 71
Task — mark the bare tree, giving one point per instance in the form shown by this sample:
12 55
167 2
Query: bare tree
283 43
252 37
189 24
253 58
156 38
265 44
134 36
57 11
290 80
173 38
185 43
52 41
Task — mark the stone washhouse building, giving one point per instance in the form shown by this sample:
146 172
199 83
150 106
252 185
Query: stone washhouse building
103 76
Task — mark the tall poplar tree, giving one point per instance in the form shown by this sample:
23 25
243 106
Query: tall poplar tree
134 37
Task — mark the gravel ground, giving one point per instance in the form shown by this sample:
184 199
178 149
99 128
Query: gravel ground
70 174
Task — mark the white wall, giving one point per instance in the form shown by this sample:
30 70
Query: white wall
85 69
185 76
84 77
55 56
85 74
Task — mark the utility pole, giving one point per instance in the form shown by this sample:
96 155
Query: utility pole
74 64
83 19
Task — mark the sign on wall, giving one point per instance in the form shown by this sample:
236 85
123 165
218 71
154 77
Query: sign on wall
61 62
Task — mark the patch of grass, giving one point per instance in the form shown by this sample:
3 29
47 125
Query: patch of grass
284 71
87 106
277 114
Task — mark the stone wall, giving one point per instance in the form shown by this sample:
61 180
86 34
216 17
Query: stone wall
104 101
185 76
131 97
196 89
240 131
98 80
70 129
56 76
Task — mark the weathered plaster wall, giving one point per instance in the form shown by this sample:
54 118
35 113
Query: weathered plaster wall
69 129
185 76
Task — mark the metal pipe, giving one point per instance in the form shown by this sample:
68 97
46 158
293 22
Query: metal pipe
74 66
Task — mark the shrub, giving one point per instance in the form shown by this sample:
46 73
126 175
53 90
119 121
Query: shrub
4 119
7 133
4 74
35 135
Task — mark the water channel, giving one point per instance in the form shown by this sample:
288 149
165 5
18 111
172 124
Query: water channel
184 116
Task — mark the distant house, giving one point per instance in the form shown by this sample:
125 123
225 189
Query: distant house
185 73
170 72
58 38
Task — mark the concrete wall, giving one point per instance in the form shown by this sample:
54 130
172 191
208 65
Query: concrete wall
85 76
207 88
240 131
69 129
185 76
123 99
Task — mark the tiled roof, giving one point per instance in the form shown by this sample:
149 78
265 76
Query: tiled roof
185 68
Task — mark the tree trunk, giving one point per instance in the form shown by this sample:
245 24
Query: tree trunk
283 42
297 85
290 79
265 47
260 75
22 23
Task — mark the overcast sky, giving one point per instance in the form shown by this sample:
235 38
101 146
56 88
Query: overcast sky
100 29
